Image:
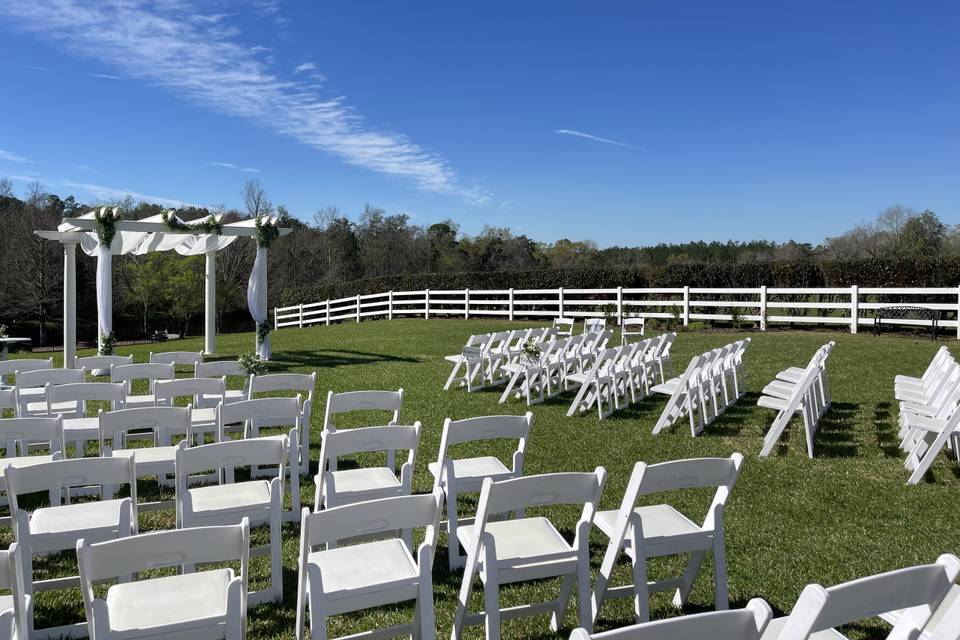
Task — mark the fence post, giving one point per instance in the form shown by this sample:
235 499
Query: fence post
763 308
560 299
854 308
620 306
466 304
358 307
958 313
511 304
274 318
426 304
390 305
301 316
327 307
686 305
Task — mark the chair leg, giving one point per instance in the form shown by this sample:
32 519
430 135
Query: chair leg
641 595
276 562
689 575
491 594
425 618
721 597
566 588
318 622
463 599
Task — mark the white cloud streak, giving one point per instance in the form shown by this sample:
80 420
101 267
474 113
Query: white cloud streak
12 157
113 193
587 136
306 66
174 45
230 165
104 76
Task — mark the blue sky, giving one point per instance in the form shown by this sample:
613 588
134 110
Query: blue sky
623 122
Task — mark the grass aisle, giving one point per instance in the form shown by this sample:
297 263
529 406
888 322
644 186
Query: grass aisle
791 520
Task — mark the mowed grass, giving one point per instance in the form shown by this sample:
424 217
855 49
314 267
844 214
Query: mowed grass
791 520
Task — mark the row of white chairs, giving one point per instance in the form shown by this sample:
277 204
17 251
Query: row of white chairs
619 376
929 416
712 382
482 360
803 390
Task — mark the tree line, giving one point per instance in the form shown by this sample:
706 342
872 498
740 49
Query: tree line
164 291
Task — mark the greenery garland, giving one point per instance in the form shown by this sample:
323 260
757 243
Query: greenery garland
207 225
263 330
267 232
106 220
107 344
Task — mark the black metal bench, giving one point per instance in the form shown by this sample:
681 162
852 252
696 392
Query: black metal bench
893 313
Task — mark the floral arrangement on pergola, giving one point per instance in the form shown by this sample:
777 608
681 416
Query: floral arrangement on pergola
103 233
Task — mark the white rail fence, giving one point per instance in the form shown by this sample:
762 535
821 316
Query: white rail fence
853 307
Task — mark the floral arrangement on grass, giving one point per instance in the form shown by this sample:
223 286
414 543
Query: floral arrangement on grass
252 364
531 352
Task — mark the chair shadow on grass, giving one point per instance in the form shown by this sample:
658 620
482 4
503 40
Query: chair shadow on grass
886 427
835 436
288 361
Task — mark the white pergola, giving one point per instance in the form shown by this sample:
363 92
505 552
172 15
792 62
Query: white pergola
143 236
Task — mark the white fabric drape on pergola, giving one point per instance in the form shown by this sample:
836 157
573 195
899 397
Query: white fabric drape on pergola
139 237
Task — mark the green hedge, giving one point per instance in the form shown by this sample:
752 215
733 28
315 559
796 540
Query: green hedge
933 272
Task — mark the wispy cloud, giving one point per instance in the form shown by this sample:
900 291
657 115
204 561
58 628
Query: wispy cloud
581 134
170 45
306 66
12 157
230 165
105 76
113 193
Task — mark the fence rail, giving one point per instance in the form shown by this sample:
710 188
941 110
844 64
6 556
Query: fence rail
854 307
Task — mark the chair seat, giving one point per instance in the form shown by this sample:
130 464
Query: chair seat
189 598
139 401
366 567
519 539
365 479
776 626
233 395
203 417
473 468
659 521
238 495
769 402
33 408
148 455
779 389
81 429
666 388
101 514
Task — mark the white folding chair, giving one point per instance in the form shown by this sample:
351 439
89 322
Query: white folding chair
528 548
748 623
10 367
177 358
365 401
928 440
70 401
223 369
16 609
226 503
471 357
31 388
457 476
19 434
342 579
334 488
564 326
146 371
249 416
157 427
191 604
193 390
594 325
944 624
299 385
101 363
684 397
59 526
595 385
654 531
631 328
805 396
919 590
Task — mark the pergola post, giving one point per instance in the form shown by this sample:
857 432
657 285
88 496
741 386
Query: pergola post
210 304
69 304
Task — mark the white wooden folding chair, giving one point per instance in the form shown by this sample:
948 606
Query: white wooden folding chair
19 434
70 401
595 385
300 385
342 579
203 421
16 609
149 372
10 367
223 369
496 354
643 532
228 503
530 376
362 483
594 325
684 397
472 358
788 399
564 326
205 604
177 358
59 526
944 624
919 590
631 328
927 440
748 623
455 476
155 428
521 549
31 388
101 364
362 401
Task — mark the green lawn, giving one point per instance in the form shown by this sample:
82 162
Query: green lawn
791 520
